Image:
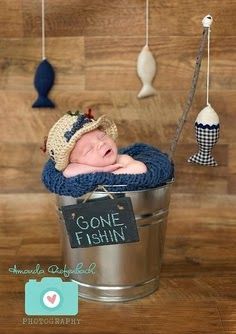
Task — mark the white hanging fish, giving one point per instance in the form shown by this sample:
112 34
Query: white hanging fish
146 68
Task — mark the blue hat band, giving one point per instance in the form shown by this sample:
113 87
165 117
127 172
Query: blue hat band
79 123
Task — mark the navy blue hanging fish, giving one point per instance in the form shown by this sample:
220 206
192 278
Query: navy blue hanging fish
43 82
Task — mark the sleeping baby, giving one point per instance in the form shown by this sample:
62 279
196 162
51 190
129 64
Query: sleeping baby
78 144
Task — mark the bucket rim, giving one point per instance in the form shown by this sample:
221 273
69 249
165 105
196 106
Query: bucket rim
165 185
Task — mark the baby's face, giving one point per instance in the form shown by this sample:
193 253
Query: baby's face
94 148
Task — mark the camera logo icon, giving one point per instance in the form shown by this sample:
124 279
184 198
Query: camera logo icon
51 296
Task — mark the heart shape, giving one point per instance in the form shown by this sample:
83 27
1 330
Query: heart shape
52 299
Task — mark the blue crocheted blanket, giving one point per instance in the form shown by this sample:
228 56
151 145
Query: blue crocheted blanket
159 171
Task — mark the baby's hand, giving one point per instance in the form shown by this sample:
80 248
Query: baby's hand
111 168
74 169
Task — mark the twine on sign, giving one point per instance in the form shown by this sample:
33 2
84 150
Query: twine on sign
99 187
147 21
43 31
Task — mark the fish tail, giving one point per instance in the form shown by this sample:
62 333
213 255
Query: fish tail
201 159
43 102
147 90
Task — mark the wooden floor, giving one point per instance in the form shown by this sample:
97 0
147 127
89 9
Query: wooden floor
197 291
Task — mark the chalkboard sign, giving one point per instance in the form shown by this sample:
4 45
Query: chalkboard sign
105 222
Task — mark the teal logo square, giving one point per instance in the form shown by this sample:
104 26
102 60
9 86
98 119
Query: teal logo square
51 296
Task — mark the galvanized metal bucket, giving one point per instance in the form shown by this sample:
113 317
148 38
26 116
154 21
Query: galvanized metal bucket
126 271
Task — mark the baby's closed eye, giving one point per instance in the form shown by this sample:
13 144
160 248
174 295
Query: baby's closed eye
89 149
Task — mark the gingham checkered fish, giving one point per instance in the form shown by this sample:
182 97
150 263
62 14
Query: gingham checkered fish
207 136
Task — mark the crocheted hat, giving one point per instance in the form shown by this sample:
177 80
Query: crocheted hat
68 129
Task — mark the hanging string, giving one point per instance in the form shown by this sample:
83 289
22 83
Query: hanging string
147 18
43 31
208 64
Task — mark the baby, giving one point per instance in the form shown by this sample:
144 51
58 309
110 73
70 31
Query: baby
88 146
95 151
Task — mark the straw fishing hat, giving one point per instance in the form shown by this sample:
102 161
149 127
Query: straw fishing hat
68 129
